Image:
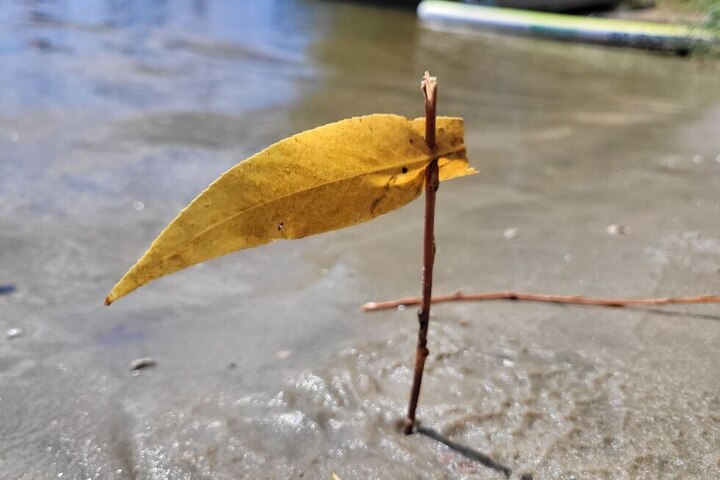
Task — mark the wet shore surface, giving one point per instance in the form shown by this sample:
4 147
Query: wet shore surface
113 118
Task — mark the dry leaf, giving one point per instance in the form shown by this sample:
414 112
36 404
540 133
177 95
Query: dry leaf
323 179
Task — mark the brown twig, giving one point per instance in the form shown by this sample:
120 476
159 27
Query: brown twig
537 297
432 182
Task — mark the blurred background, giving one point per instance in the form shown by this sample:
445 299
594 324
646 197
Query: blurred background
599 175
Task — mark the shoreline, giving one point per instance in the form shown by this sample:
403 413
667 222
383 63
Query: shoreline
703 13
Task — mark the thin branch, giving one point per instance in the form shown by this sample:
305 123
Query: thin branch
432 182
538 297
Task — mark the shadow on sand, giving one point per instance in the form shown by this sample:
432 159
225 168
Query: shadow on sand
465 450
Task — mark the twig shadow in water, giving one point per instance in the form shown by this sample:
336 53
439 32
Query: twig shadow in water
672 313
655 311
637 309
464 450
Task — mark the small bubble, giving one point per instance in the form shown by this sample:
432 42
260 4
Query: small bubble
401 308
14 136
671 162
15 333
138 205
568 258
283 354
295 253
617 229
324 272
698 159
511 233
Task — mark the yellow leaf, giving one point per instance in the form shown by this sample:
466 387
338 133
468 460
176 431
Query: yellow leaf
323 179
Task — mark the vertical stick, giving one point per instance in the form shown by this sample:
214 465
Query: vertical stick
432 182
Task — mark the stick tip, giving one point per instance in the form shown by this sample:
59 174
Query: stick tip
368 306
428 84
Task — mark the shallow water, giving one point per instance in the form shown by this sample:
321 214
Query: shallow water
114 115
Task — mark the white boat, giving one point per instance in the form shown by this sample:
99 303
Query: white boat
681 39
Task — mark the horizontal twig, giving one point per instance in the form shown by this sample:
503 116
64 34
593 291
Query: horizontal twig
538 297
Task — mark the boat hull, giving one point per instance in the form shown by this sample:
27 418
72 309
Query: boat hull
676 38
547 5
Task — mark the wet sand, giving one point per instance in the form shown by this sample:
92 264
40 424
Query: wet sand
111 120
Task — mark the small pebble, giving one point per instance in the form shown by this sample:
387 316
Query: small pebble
141 364
283 354
511 233
15 333
568 258
616 229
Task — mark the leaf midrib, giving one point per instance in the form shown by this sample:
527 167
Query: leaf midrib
429 158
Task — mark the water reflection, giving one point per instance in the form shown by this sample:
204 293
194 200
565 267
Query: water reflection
222 55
